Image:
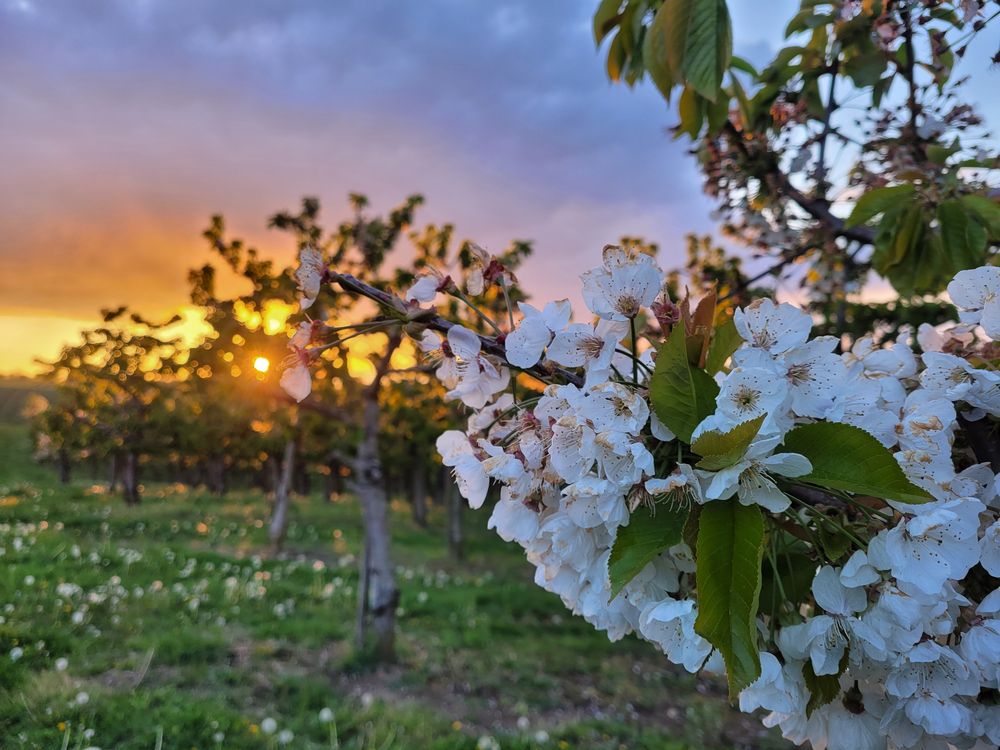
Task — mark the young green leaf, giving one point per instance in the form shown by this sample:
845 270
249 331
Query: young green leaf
682 395
721 449
730 549
646 536
725 341
654 55
878 201
845 457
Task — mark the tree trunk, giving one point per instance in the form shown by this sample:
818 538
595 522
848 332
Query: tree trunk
64 466
130 479
418 495
377 594
216 471
282 495
454 501
113 471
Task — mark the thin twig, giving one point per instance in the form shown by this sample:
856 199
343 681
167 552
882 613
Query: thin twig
436 323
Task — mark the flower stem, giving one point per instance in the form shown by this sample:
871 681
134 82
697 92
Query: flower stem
482 316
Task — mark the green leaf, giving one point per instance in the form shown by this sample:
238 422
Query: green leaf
725 341
880 87
741 64
823 689
866 69
616 58
604 18
835 542
798 22
647 535
721 449
987 210
692 111
654 55
878 201
690 533
963 237
730 549
718 112
699 42
845 457
682 395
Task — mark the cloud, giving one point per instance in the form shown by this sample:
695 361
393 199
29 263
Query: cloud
128 123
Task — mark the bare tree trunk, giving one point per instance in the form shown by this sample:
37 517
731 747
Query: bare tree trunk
282 495
113 471
130 479
454 501
418 495
378 592
216 471
64 466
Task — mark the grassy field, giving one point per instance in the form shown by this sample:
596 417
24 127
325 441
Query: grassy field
165 626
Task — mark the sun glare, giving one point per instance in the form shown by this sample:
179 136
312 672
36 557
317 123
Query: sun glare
261 364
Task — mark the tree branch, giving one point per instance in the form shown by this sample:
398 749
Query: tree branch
436 323
910 75
831 104
817 208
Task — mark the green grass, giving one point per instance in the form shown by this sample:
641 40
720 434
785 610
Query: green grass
177 629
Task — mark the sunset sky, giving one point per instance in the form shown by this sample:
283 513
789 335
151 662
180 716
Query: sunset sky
125 124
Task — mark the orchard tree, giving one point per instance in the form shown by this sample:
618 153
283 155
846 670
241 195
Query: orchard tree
111 392
853 152
362 246
232 370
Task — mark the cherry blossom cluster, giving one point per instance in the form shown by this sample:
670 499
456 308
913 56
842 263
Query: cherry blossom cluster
905 622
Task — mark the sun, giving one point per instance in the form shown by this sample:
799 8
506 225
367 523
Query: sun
261 364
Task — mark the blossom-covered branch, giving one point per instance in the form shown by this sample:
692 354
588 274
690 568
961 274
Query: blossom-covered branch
749 499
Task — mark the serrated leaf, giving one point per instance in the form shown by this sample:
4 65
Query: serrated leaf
878 201
730 549
647 535
845 457
721 449
699 43
725 341
682 395
655 56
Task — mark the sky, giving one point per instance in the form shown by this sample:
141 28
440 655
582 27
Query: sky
125 124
